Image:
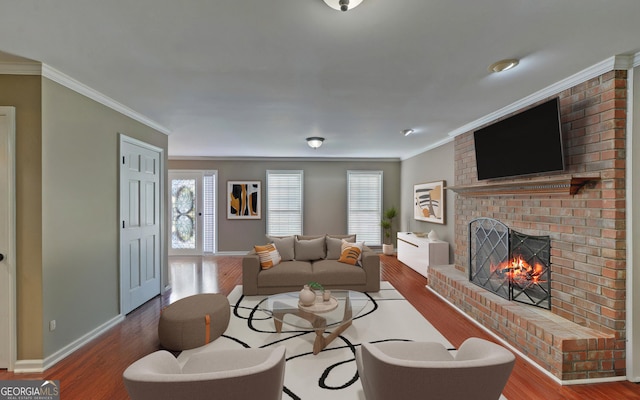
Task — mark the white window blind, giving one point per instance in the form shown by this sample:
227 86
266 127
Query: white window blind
209 217
284 202
365 205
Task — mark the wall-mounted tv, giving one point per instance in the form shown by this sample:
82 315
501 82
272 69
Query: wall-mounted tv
526 143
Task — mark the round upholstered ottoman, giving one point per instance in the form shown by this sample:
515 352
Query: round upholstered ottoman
193 321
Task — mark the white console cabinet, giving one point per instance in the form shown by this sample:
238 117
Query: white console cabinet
421 252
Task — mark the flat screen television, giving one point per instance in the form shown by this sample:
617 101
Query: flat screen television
526 143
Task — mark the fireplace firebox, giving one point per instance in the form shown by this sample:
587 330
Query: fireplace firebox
510 264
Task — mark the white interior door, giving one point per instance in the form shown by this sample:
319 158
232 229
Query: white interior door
187 201
7 239
140 260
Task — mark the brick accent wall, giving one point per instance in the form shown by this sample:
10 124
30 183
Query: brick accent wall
587 229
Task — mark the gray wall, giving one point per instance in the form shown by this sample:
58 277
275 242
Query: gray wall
430 166
325 194
80 218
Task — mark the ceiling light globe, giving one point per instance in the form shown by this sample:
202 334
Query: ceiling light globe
315 141
343 5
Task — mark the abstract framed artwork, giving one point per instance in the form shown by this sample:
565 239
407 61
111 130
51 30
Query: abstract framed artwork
244 200
429 202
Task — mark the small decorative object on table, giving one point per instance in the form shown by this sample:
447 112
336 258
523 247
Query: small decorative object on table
326 295
320 306
318 289
307 296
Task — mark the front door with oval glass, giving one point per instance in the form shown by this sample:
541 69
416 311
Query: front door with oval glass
192 195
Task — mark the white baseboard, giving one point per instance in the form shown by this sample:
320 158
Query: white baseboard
36 366
28 366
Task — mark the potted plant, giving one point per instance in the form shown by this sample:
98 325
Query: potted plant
387 227
316 286
324 293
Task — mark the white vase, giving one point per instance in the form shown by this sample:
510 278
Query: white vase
387 249
307 296
433 235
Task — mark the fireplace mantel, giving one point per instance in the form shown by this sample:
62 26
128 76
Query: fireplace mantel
568 185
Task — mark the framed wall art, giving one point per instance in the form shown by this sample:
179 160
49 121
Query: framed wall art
244 200
429 202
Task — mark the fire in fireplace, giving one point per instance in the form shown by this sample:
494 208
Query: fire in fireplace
510 264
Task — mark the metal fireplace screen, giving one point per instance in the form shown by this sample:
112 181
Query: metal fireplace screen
510 264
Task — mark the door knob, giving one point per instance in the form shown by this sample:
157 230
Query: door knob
1 256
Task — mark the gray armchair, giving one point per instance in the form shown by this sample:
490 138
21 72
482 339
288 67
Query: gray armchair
224 374
411 370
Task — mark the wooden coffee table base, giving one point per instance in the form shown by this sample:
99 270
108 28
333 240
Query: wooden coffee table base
318 323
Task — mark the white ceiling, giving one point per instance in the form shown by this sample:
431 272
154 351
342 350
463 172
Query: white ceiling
256 77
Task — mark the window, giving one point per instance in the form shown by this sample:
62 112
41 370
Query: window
365 205
209 228
284 202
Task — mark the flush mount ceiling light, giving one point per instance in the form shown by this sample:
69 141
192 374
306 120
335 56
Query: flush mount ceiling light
407 132
343 5
503 65
315 141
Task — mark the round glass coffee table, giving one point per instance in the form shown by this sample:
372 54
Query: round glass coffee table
335 315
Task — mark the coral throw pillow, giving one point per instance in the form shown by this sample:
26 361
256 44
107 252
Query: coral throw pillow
351 252
269 256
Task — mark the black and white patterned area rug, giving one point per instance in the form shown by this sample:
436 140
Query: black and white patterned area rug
332 374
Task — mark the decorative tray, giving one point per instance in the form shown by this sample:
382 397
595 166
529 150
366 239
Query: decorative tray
320 306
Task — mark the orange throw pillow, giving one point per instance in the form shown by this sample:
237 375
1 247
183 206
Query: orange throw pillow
351 252
269 256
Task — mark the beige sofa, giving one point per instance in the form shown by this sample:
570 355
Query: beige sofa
310 259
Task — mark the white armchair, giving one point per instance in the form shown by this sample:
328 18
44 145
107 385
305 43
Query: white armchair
224 374
411 370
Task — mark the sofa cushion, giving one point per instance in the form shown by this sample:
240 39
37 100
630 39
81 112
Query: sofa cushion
290 273
351 252
334 245
334 273
285 246
309 250
268 255
348 238
309 237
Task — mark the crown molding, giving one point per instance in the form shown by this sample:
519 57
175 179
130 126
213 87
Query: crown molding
636 60
430 147
284 159
79 87
623 62
46 71
20 68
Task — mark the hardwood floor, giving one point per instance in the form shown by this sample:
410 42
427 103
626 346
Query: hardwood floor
95 371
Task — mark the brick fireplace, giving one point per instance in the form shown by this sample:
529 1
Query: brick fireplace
583 334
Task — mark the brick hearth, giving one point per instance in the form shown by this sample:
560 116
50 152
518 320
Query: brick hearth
588 242
565 349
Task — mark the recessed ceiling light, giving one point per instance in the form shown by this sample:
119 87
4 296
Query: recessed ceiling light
407 132
503 65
